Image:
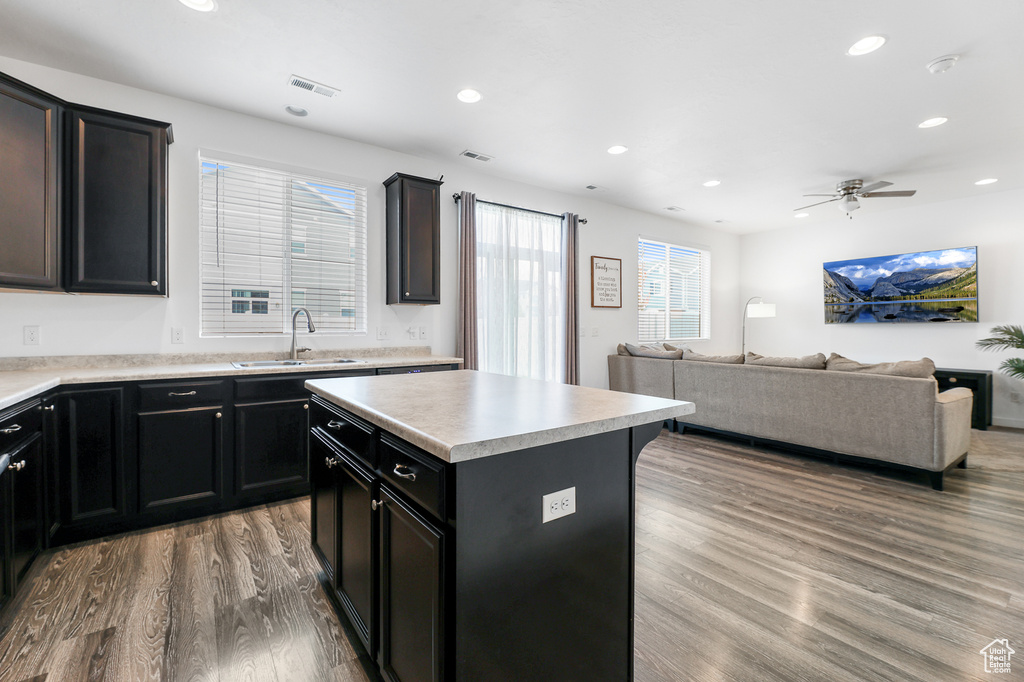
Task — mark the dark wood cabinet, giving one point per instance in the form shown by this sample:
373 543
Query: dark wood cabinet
26 490
980 382
356 574
412 633
270 448
30 181
181 459
117 203
413 240
6 587
91 459
323 460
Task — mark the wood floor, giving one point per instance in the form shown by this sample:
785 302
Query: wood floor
751 566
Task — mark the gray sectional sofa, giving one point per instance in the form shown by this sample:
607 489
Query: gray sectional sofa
896 420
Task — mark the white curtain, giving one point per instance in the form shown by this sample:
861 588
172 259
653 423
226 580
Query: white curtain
520 293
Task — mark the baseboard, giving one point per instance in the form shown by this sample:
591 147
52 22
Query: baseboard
1008 422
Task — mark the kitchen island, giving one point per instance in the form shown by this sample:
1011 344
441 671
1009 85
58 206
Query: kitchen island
476 527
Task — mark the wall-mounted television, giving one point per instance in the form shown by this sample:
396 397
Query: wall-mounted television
927 286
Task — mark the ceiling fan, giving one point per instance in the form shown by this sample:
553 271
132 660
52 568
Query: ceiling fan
848 191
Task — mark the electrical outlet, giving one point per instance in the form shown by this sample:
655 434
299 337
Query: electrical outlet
177 335
423 333
595 332
557 505
383 333
31 335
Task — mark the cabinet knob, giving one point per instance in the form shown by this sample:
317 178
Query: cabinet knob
218 415
305 406
375 505
11 429
50 408
329 462
154 283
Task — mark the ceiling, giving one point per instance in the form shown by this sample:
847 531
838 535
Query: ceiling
759 95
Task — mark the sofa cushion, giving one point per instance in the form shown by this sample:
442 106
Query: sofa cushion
723 359
653 352
816 361
920 369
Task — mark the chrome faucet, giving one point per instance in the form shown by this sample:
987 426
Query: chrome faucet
309 323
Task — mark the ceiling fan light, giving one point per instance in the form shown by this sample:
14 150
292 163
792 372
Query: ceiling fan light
866 46
200 5
932 122
848 204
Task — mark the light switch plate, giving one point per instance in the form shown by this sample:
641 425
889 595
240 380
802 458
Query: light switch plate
557 505
383 333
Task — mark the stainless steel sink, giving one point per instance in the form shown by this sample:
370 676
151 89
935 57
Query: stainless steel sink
289 363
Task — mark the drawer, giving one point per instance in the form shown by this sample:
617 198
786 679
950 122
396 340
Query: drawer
291 386
414 472
19 423
344 430
414 370
180 394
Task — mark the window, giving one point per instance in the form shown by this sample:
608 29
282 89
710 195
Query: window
520 292
275 240
673 292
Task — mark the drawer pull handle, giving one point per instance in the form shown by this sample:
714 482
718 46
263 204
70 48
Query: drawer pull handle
11 429
375 505
329 462
405 472
335 425
17 467
180 395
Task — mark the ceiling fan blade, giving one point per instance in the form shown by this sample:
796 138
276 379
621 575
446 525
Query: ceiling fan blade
833 194
828 201
872 187
895 193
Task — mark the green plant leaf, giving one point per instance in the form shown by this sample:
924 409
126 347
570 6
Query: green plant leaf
1004 337
1014 367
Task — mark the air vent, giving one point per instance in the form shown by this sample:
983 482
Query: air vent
312 86
476 155
674 208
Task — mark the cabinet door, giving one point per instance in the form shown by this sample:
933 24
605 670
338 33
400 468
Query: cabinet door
271 453
356 576
411 593
91 461
117 230
323 461
6 589
181 459
26 507
413 229
30 153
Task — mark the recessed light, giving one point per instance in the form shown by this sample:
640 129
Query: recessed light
801 215
866 45
932 122
200 5
987 181
617 149
296 111
469 96
712 183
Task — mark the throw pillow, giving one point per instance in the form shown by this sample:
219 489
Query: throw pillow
918 369
621 349
816 361
724 359
653 352
669 346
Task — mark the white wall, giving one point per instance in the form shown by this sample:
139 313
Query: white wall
784 266
76 325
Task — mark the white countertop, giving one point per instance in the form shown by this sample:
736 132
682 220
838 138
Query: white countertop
462 415
18 385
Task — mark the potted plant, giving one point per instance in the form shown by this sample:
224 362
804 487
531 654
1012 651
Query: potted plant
1005 337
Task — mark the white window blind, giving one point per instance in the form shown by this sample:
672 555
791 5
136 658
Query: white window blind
673 292
275 240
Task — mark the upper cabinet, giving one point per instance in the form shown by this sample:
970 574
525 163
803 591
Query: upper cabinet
84 193
413 240
117 203
30 177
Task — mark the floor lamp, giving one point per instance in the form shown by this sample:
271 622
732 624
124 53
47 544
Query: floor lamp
761 309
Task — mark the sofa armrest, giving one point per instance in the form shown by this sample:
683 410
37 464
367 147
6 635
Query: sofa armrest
952 426
646 376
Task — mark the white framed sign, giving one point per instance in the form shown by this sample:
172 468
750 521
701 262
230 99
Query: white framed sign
605 282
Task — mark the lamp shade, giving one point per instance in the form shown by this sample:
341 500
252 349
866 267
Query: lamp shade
761 310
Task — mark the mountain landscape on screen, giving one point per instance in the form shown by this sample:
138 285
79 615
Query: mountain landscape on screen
927 286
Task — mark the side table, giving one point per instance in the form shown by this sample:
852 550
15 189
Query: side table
979 381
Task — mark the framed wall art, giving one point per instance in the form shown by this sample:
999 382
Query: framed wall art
605 282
